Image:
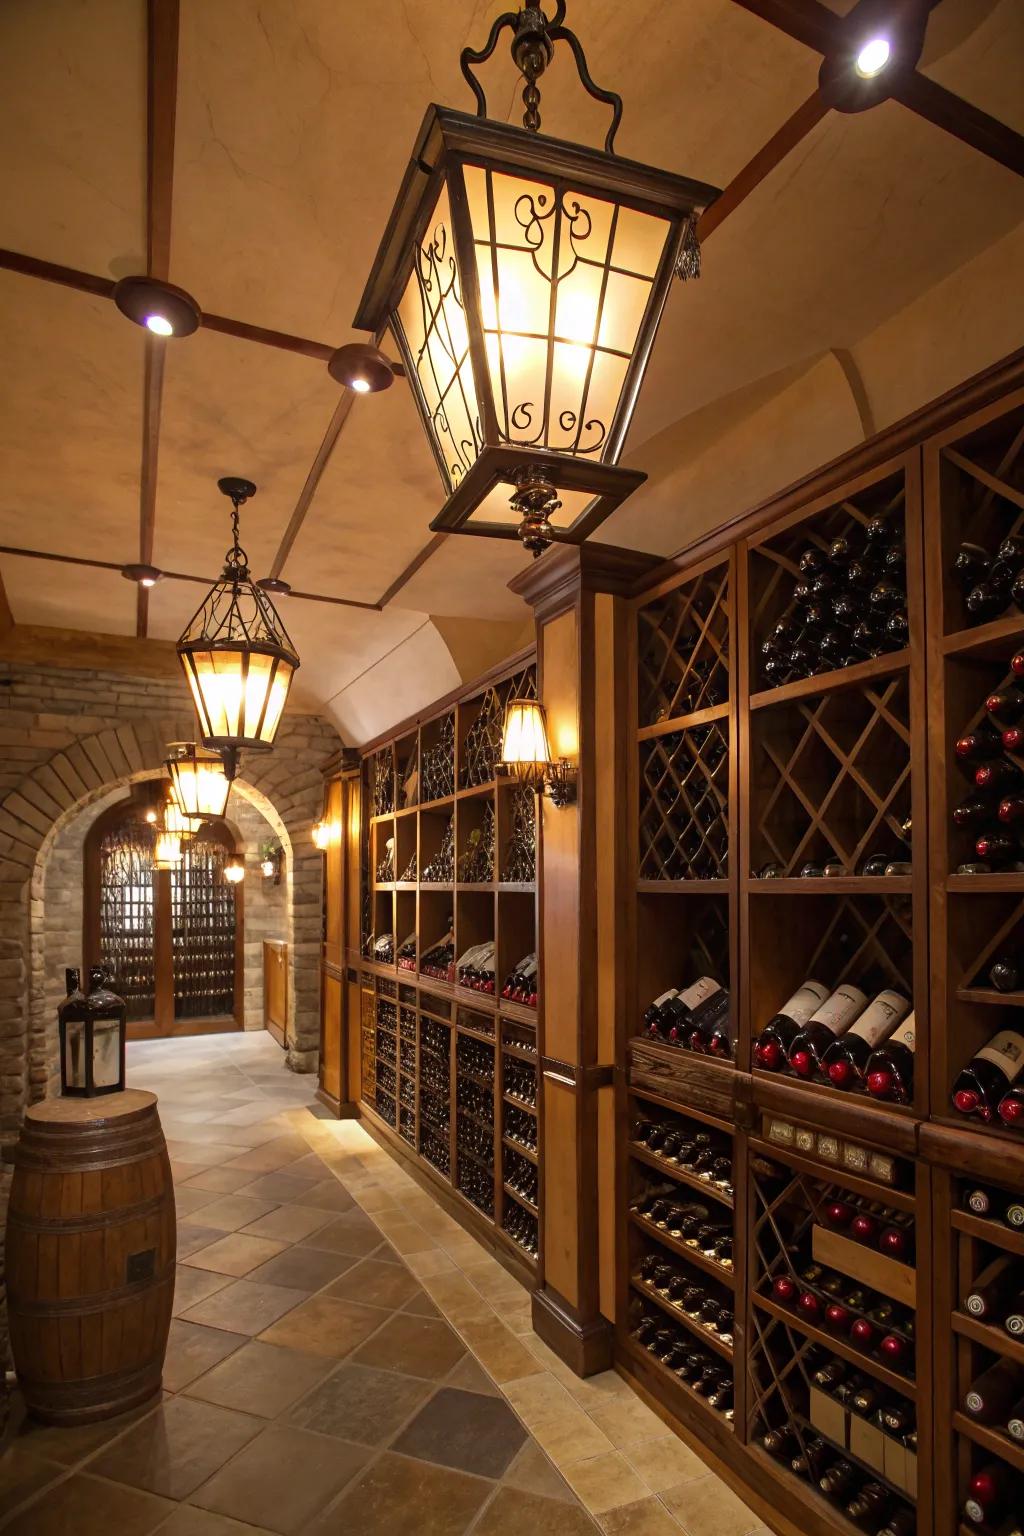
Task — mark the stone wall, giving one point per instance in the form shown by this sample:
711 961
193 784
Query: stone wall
71 737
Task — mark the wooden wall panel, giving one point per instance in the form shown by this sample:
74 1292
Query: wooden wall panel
334 877
330 1034
561 1255
560 900
606 1224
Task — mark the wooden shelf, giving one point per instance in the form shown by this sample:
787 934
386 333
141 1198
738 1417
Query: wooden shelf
649 1096
682 887
832 885
990 997
675 1384
706 1335
833 682
996 1339
992 1441
994 1232
680 1175
724 1276
669 727
986 642
884 1194
517 1146
529 1109
1009 882
522 1200
837 1346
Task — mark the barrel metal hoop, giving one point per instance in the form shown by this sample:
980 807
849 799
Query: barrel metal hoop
82 1306
100 1221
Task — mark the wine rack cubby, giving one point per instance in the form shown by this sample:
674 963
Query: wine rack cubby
450 861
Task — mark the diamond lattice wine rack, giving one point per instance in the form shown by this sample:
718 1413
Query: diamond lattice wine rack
448 968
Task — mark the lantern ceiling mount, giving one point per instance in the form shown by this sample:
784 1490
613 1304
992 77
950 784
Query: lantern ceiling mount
522 279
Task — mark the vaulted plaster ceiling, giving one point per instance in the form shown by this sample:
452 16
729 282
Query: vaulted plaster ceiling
811 325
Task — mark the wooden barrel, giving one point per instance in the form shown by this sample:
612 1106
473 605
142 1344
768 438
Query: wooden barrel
90 1256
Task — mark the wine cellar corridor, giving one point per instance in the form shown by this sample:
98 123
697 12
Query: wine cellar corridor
512 768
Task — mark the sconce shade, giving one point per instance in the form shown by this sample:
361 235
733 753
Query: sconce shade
198 781
523 279
234 870
524 742
322 836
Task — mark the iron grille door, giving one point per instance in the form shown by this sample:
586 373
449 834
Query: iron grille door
126 915
203 932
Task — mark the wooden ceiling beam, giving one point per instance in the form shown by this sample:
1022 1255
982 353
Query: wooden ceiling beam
805 21
963 120
204 581
793 130
316 470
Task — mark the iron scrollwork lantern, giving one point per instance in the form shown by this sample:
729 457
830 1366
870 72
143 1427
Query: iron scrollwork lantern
523 279
236 653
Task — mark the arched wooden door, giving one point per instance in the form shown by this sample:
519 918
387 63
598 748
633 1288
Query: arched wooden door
171 939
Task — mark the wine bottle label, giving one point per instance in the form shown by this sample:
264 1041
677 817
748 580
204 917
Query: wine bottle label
839 1012
1016 1426
702 989
1015 1215
1005 1051
659 1002
804 1001
974 1511
906 1033
974 1401
880 1017
979 1202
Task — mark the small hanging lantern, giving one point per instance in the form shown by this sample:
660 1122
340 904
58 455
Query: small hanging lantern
234 869
181 826
272 862
198 781
236 653
93 1030
167 850
523 280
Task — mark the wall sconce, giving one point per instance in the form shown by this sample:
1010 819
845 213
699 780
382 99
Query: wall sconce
526 754
234 869
323 836
271 862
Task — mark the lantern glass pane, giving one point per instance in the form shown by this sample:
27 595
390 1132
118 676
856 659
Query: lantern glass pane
74 1055
275 702
106 1053
525 737
167 850
565 282
200 786
434 334
494 508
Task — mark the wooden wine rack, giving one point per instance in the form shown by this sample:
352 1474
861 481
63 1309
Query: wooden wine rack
828 768
467 1134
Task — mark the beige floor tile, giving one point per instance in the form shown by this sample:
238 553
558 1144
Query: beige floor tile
407 1237
498 1350
325 1325
176 1448
603 1482
457 1298
245 1307
223 1181
665 1462
187 1520
432 1261
261 1378
194 1285
283 1479
708 1507
647 1517
235 1255
288 1224
23 1472
534 1472
188 1199
193 1349
511 1512
626 1420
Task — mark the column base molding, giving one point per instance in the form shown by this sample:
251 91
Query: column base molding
584 1346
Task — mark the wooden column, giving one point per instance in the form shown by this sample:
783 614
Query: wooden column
579 596
339 1088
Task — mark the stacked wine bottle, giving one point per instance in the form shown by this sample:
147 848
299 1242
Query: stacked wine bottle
697 1018
848 1039
990 1088
990 581
992 812
849 605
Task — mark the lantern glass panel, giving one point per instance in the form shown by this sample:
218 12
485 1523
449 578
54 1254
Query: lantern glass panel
432 318
199 783
494 508
238 703
75 1056
106 1053
565 282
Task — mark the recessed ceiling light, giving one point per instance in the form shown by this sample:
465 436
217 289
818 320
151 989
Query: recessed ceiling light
275 585
872 57
362 367
145 575
160 308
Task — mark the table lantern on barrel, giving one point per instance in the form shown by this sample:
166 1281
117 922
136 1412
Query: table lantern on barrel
93 1028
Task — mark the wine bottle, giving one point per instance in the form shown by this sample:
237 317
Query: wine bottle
1006 705
1015 1421
988 1076
998 1206
1013 738
991 1397
999 776
1013 1318
992 1289
1005 973
971 564
1011 1108
781 1443
824 1026
889 1073
772 1045
846 1058
997 848
679 1009
708 1019
838 1480
814 1458
988 1490
975 811
869 1505
903 1522
653 1014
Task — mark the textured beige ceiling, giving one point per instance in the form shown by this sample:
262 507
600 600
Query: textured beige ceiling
294 123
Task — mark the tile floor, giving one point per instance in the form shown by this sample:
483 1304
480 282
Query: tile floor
344 1357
